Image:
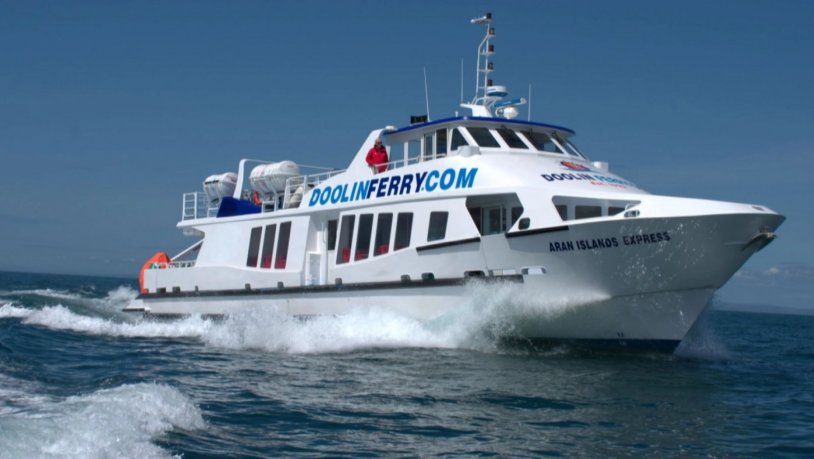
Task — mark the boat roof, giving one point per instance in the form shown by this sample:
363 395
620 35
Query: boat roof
395 135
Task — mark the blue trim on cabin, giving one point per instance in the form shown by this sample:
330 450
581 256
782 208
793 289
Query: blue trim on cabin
478 118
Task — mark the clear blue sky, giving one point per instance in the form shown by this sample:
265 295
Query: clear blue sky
109 111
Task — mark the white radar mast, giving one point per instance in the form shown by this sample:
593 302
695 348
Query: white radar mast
488 100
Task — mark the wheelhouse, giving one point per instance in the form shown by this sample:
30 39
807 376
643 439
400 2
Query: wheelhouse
437 139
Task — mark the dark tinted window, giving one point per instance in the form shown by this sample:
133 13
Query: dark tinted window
457 140
562 209
516 213
483 137
345 234
404 228
282 246
254 247
438 226
542 142
268 246
587 212
441 142
383 230
511 139
363 236
331 234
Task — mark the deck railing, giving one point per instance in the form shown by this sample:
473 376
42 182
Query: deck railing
196 205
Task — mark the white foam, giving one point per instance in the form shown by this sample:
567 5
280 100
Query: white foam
368 327
483 316
119 422
62 318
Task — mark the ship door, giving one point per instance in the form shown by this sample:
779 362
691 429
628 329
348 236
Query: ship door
493 220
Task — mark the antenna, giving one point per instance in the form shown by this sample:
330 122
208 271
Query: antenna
427 94
529 114
462 80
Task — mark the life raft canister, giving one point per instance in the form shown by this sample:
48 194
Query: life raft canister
159 260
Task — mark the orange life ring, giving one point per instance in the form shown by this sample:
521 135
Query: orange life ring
256 198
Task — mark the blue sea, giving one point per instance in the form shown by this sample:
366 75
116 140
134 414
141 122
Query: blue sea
78 378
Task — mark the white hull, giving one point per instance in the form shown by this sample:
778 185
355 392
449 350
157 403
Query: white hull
651 291
659 316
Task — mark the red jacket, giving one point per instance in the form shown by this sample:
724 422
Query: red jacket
377 157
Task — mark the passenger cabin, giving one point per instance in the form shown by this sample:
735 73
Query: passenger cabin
277 238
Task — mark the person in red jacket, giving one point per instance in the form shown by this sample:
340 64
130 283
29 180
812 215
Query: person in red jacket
377 157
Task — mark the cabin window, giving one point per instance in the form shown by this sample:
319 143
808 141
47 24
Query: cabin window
345 235
542 142
268 246
428 147
441 143
363 236
404 228
254 247
483 137
282 246
383 229
511 139
587 212
562 209
516 213
332 234
458 140
570 147
495 223
494 214
438 226
615 210
475 213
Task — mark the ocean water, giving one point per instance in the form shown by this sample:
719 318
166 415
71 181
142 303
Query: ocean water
80 379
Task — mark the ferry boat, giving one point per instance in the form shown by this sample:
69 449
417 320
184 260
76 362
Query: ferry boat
465 203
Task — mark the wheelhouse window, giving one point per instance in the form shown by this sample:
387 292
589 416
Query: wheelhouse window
570 147
483 137
428 147
282 246
404 228
440 143
363 236
345 236
254 247
542 142
438 226
511 139
383 229
268 246
457 140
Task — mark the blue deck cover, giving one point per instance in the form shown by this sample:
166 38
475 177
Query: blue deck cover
230 207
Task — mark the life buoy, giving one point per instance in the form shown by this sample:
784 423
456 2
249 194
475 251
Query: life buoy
256 198
159 260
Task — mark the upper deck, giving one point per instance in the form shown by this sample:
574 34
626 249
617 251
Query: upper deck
410 145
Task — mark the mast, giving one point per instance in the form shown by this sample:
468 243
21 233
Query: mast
487 95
